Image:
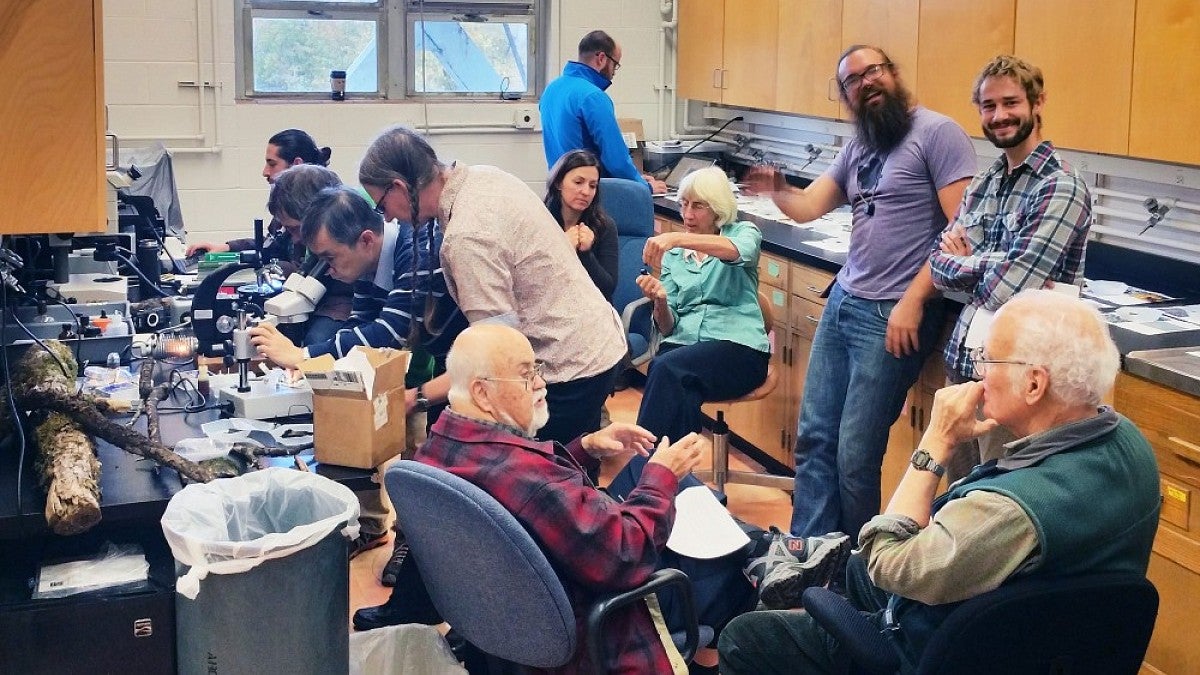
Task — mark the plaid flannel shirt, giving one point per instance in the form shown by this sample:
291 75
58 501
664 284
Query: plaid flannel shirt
1025 227
595 543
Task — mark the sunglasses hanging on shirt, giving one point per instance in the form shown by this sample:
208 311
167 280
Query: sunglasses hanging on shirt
869 170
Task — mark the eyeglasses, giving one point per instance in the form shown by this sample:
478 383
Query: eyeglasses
379 202
616 63
980 362
870 74
686 204
536 372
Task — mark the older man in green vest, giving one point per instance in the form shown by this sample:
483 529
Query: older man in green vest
1077 493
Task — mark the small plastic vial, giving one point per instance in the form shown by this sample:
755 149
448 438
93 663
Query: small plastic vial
337 85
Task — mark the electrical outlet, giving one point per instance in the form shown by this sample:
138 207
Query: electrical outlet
525 117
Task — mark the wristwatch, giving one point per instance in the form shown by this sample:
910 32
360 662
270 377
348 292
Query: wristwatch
422 403
923 461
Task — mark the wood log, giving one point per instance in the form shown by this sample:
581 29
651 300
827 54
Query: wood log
69 474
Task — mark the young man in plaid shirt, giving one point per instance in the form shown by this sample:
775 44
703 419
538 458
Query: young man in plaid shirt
1023 222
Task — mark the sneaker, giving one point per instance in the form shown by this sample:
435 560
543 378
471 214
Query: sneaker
392 569
395 613
775 547
365 542
784 584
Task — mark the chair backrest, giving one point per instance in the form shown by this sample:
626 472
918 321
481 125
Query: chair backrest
631 207
1087 625
485 573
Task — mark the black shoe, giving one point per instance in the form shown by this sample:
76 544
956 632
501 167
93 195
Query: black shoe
394 613
365 542
392 569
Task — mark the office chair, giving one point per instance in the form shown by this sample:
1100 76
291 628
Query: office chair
630 205
1091 625
490 581
720 473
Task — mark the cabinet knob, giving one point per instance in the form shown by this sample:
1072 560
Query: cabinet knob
1188 452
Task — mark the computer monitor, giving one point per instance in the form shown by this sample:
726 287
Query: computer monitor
685 166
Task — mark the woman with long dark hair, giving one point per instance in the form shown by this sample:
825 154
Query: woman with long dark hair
573 198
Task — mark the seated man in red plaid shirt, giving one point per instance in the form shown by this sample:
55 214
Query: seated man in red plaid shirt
497 404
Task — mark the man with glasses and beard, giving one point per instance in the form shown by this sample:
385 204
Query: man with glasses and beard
1023 223
578 115
903 173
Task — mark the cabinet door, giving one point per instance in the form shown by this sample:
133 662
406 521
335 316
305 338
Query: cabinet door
810 34
890 25
1085 51
957 39
1166 81
1173 646
698 54
52 158
751 43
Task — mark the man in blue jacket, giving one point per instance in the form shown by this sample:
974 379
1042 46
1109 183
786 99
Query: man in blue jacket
577 114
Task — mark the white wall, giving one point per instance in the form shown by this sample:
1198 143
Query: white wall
152 45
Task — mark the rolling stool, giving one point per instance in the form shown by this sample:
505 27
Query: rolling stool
720 473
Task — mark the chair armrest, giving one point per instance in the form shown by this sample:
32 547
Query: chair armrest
870 651
658 581
655 337
627 313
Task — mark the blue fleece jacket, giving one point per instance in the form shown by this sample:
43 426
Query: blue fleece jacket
577 114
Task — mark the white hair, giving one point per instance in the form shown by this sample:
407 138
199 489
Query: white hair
712 186
464 367
1071 340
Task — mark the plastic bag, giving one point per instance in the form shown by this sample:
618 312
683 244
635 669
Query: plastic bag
113 568
232 525
410 649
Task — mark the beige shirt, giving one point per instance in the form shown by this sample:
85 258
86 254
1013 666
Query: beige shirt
970 547
506 260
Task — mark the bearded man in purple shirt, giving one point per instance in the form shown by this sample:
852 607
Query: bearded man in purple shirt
903 174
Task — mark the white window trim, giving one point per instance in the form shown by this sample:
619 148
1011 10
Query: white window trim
395 53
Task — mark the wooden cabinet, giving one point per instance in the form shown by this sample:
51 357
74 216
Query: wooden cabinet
52 140
1170 420
957 39
892 26
727 51
810 42
1166 79
1085 51
908 429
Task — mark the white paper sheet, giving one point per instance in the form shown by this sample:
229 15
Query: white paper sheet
833 245
703 528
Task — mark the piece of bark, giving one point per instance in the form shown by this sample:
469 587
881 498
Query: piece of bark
70 475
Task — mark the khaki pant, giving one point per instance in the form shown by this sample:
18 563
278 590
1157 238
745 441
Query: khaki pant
374 509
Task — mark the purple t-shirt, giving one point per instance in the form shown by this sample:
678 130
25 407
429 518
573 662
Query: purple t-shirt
894 197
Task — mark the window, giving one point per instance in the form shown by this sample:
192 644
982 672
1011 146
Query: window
390 48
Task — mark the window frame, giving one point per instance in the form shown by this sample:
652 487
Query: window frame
395 52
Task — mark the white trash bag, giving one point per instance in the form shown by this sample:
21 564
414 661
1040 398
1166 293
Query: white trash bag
410 649
232 525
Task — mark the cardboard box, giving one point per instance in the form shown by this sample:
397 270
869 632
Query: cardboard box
635 137
358 406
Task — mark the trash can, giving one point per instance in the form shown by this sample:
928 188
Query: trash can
263 582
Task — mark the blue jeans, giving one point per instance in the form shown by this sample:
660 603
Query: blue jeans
853 393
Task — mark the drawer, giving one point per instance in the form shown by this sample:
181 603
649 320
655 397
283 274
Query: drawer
662 225
1169 419
773 271
810 282
805 314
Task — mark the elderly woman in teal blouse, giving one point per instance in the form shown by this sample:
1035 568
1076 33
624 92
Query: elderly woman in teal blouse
706 307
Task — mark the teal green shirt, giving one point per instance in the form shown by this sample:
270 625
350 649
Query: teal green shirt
716 300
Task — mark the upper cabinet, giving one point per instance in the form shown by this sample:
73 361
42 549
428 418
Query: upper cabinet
957 39
1166 78
808 52
1085 51
52 140
890 25
727 51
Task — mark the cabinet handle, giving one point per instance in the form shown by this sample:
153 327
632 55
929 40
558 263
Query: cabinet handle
812 319
1188 452
724 85
921 417
716 78
814 290
912 416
